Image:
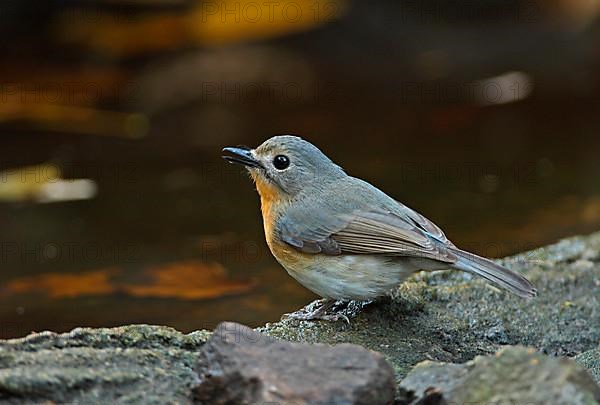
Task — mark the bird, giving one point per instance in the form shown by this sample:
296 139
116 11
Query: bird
343 238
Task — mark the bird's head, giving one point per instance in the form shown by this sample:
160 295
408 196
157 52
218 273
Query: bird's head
288 164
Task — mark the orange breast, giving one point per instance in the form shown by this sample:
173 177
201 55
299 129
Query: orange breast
269 198
271 202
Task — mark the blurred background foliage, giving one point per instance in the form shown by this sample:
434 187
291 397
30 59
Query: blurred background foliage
116 207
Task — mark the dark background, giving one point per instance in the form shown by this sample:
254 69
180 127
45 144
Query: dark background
116 208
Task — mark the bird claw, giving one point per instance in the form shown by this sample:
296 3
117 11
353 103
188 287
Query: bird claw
318 314
313 316
335 318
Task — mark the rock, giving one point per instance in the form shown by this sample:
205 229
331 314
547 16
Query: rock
590 360
513 375
454 317
127 365
239 365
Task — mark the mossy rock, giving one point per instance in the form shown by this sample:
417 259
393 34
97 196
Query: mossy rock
513 375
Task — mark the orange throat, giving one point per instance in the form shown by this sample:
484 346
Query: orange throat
270 199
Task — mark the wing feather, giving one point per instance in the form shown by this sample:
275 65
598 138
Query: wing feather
361 232
388 234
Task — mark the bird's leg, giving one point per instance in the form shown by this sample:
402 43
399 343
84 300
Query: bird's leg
318 314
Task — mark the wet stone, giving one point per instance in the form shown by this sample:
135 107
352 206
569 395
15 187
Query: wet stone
239 365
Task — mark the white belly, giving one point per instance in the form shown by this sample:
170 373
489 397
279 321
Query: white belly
355 277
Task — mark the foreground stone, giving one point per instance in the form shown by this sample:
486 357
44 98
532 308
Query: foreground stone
127 365
240 366
513 375
445 317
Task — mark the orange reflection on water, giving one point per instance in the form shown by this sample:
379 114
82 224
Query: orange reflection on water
187 280
66 285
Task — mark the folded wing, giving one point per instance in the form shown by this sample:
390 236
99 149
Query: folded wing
365 232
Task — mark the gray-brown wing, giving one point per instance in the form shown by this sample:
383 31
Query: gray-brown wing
362 232
424 224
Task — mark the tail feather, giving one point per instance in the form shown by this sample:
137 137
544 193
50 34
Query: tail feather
494 273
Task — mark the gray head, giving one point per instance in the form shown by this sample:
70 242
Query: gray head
288 162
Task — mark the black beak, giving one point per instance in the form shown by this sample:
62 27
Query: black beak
240 155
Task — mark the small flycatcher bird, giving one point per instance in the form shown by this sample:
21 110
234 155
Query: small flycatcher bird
343 238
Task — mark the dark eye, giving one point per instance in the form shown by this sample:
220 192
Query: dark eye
281 162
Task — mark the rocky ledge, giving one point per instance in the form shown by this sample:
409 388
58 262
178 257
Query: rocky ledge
444 334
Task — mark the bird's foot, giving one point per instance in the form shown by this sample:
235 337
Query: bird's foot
319 314
314 316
